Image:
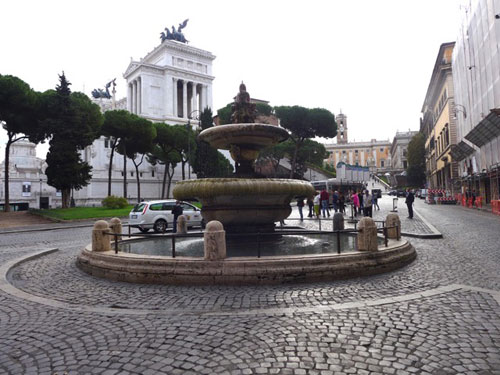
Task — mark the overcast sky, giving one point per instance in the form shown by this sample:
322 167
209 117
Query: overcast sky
371 59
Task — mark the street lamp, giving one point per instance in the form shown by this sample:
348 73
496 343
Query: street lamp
40 198
189 140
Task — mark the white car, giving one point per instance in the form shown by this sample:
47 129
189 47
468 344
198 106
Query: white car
157 215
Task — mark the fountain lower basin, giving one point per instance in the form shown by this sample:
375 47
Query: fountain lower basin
188 270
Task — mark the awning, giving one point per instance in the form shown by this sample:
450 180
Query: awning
461 151
486 130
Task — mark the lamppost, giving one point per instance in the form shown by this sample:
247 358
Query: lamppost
40 198
189 140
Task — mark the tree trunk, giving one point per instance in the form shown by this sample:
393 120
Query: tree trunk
138 183
170 175
6 206
66 195
124 174
164 181
137 178
111 167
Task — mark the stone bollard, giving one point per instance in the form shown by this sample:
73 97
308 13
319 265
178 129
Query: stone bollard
100 240
215 241
115 225
338 221
367 235
182 224
390 221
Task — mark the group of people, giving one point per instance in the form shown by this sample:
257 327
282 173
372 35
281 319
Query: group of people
320 203
363 203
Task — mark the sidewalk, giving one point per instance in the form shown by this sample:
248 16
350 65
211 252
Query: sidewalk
416 227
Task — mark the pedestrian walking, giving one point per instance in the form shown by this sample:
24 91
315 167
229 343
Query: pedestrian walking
341 203
176 211
310 204
300 206
410 198
355 202
335 200
317 200
375 201
361 201
368 203
325 202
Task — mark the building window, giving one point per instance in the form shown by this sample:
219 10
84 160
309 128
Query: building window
404 152
152 173
405 164
106 143
382 164
343 151
381 150
122 173
131 174
26 189
356 151
140 174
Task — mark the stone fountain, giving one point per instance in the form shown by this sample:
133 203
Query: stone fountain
246 203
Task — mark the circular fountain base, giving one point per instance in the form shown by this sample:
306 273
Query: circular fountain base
244 270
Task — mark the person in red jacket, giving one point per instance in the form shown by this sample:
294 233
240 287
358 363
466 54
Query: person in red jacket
325 201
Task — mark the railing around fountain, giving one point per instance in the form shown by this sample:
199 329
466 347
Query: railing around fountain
259 236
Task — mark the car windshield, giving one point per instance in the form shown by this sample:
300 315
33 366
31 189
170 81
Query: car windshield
138 207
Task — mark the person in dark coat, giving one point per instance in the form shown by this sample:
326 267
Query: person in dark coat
176 211
410 198
300 205
310 204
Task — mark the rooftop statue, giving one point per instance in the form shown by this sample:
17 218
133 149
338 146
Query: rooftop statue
243 111
175 34
100 93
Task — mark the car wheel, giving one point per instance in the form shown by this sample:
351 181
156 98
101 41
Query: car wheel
160 226
144 230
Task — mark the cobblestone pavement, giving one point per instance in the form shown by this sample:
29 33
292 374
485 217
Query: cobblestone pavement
288 329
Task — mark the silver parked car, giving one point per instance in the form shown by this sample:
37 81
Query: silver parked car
157 215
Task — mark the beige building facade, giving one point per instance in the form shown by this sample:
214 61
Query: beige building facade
373 154
438 124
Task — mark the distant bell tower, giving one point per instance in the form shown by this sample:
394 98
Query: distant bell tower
341 128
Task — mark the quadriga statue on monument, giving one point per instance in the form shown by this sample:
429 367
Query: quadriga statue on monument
243 111
176 35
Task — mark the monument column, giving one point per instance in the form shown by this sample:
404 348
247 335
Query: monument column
134 105
202 90
139 96
184 99
194 106
175 97
130 98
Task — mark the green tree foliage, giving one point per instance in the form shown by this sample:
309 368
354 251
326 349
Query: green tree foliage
263 109
115 127
137 141
19 117
208 162
165 153
304 123
75 122
416 160
225 114
114 202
